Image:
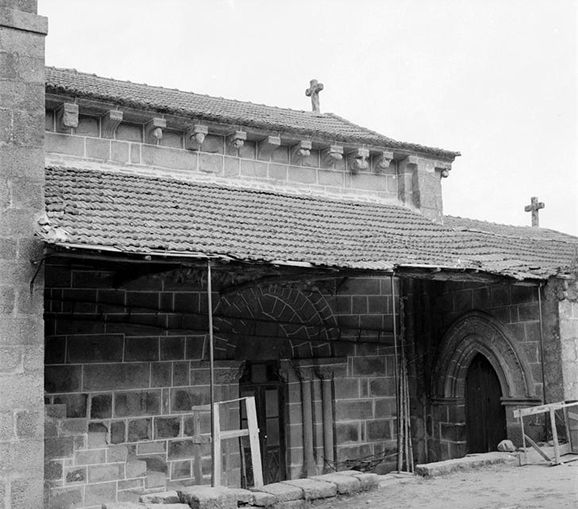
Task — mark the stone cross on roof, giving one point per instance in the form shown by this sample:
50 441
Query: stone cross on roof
534 207
313 91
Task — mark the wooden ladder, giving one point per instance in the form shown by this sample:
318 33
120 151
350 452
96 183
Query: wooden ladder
252 431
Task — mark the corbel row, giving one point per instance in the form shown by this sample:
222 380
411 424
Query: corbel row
357 159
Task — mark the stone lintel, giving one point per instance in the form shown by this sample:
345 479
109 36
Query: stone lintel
301 150
154 130
383 160
25 21
195 136
110 122
67 117
332 154
268 145
357 159
237 139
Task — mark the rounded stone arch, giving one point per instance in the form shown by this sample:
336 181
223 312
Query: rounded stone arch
480 333
306 322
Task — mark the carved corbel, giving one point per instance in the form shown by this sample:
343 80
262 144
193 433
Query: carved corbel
444 168
357 160
383 160
196 137
110 123
154 130
332 154
237 139
301 150
268 145
324 372
67 117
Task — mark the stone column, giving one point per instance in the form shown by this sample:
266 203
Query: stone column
22 85
326 376
304 376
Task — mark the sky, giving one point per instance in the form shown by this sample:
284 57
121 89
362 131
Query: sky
494 80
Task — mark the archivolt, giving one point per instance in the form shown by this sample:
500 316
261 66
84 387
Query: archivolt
475 333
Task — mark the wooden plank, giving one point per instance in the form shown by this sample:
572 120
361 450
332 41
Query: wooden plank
254 441
538 450
197 470
234 433
216 445
555 436
522 412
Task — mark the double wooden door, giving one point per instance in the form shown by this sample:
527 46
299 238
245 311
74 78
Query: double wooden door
269 404
485 414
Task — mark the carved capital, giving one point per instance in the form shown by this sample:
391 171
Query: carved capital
303 374
231 375
195 137
110 123
383 160
154 130
67 117
268 145
324 372
357 160
301 150
332 154
237 139
444 168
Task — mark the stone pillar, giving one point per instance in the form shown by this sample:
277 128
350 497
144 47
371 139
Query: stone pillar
326 376
420 185
304 376
21 200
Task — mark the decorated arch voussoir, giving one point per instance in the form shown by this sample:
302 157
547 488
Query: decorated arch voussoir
480 333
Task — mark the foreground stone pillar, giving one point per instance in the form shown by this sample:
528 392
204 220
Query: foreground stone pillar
21 200
326 375
304 376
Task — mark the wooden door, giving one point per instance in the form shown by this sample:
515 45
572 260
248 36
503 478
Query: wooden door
485 414
260 382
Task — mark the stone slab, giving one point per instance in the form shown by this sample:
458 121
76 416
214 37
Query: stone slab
165 497
314 489
261 499
345 484
205 497
368 481
123 505
469 462
283 492
292 504
243 496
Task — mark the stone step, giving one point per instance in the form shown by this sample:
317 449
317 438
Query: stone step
469 462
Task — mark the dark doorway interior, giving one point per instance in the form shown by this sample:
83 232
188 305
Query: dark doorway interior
485 414
261 380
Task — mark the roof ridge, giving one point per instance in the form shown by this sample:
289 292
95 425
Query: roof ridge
160 87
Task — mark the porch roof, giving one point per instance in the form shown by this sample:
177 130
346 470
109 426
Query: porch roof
134 214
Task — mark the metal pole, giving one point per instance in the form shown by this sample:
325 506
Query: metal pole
397 378
211 365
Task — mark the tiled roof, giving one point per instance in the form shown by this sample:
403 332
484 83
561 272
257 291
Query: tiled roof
136 214
217 109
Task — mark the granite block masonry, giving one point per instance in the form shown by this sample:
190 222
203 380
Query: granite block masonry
22 35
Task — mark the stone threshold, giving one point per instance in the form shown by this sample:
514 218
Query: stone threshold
469 462
291 494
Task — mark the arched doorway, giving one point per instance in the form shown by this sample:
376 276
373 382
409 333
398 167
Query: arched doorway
485 414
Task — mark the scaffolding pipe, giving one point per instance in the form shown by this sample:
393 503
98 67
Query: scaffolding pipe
211 366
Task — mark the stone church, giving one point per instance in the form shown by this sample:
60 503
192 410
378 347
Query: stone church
145 232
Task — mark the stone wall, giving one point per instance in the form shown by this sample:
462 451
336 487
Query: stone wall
215 159
21 201
126 360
